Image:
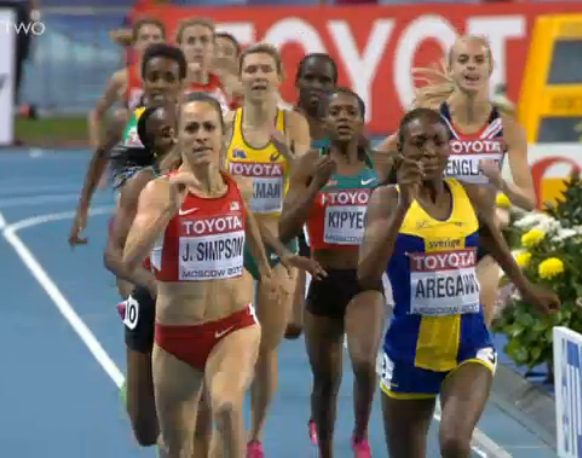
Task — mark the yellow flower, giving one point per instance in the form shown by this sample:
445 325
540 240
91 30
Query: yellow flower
532 237
550 268
502 201
522 259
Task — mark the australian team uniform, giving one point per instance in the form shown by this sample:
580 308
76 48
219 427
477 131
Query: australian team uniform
138 311
467 151
336 222
438 322
203 241
269 171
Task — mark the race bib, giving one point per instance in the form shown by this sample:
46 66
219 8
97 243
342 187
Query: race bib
444 283
345 213
467 155
267 195
344 225
212 257
466 167
131 313
268 184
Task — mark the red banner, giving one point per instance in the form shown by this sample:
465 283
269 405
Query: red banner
376 47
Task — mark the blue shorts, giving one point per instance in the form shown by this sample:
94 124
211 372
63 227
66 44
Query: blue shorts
402 380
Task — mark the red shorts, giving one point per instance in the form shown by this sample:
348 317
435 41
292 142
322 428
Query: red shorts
193 344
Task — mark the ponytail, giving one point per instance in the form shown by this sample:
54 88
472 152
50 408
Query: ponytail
438 88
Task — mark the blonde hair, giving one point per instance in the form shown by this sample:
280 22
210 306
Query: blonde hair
262 48
439 82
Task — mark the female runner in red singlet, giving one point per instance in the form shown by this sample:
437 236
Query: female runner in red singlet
481 135
194 222
126 84
196 39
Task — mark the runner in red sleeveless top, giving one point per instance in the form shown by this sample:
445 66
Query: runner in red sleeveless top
196 39
194 222
125 85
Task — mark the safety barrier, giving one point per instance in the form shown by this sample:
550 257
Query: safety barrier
568 386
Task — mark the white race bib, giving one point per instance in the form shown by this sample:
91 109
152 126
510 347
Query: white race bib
211 257
267 195
344 224
444 283
465 167
131 313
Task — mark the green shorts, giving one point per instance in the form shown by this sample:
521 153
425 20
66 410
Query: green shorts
251 266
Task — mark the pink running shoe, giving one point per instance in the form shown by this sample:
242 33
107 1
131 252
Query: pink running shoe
361 449
255 449
312 432
121 309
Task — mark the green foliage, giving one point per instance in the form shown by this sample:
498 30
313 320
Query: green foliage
529 334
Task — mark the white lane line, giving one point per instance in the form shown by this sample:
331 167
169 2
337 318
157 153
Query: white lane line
9 231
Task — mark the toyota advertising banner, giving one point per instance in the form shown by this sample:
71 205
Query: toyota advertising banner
376 47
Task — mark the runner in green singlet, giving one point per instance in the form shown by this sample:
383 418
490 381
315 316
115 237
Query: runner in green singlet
329 191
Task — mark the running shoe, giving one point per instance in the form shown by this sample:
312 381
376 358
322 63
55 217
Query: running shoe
312 432
255 449
361 449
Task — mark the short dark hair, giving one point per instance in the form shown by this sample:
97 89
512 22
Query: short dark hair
418 113
347 91
167 51
317 55
147 21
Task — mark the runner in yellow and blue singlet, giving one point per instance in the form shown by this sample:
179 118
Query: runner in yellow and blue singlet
425 232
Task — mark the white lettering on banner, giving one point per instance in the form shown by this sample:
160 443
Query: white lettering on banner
212 257
433 27
295 30
7 47
244 32
444 283
197 227
498 31
568 382
362 68
345 213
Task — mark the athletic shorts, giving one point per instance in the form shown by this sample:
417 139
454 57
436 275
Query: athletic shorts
193 344
251 266
139 316
402 380
331 295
